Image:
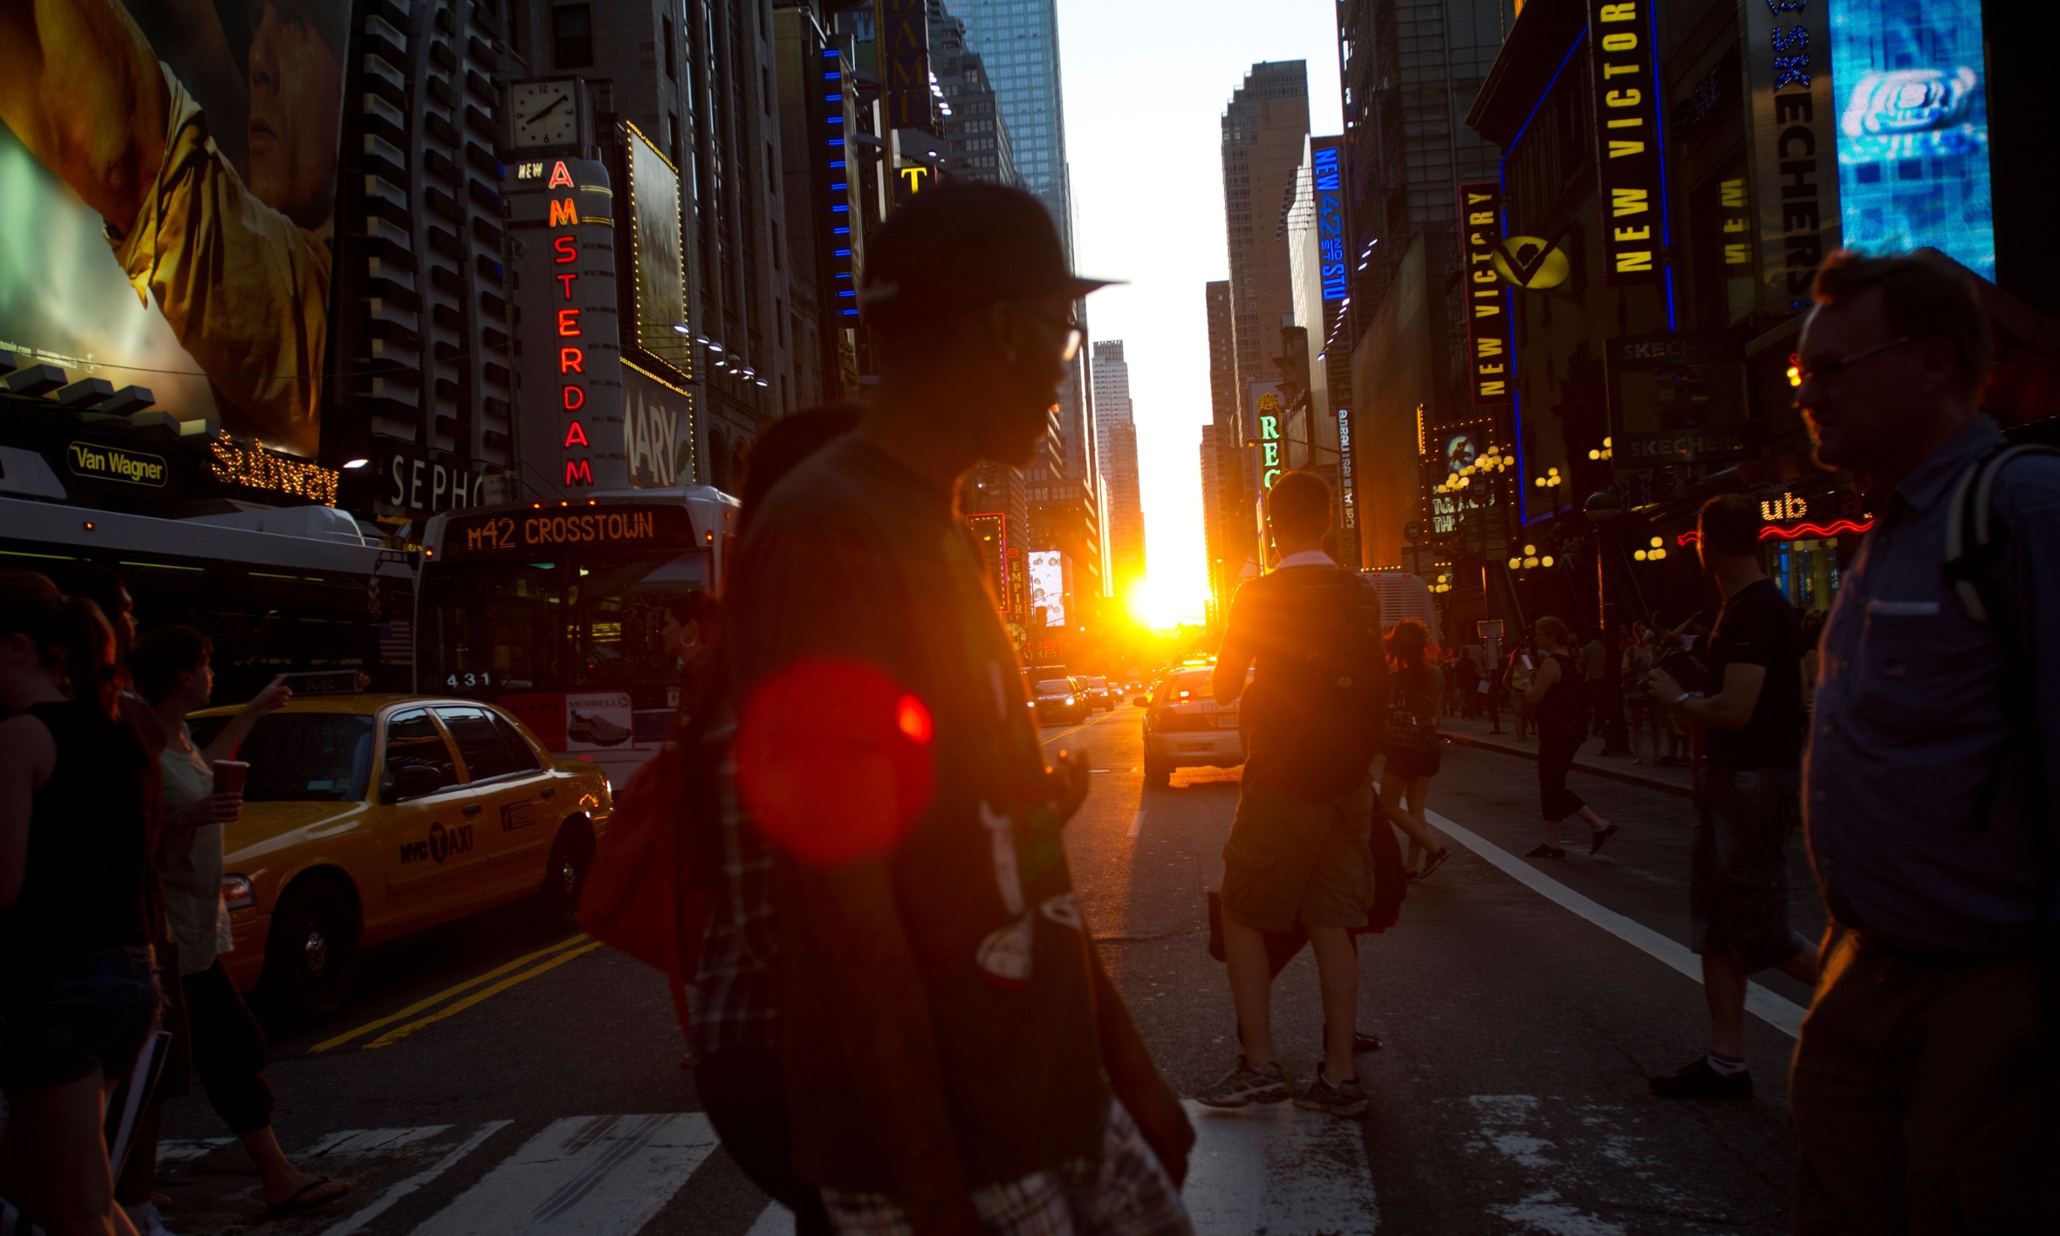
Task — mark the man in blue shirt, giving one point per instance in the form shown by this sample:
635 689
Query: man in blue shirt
1924 1088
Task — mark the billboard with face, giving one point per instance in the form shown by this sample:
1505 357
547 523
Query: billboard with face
1048 585
168 178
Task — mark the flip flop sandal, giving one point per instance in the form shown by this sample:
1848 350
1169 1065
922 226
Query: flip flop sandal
301 1203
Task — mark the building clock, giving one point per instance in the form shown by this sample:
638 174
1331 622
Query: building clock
546 113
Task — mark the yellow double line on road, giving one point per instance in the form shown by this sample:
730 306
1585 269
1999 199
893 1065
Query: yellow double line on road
547 959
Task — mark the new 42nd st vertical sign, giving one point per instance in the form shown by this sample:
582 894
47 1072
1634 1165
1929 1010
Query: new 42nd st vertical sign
1623 61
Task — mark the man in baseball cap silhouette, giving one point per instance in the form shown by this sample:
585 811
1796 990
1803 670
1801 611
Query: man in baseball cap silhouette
956 1059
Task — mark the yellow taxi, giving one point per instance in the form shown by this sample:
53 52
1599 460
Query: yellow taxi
367 817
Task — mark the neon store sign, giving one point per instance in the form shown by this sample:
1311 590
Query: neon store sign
572 376
1269 440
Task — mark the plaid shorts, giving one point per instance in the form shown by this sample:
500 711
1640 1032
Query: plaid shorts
1126 1193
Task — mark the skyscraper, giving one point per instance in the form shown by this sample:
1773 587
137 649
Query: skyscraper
1409 70
1116 443
1018 42
1224 504
1264 128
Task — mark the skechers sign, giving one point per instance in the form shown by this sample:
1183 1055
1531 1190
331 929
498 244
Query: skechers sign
1624 59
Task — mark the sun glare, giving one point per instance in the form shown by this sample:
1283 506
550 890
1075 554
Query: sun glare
1161 605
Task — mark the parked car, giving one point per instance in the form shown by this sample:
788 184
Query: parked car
1059 701
1184 727
367 818
1098 693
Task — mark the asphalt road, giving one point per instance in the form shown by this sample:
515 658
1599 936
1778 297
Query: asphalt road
497 1076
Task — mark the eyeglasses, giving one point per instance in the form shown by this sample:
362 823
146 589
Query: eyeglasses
1829 370
1075 333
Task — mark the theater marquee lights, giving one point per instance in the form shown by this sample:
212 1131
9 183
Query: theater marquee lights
1624 59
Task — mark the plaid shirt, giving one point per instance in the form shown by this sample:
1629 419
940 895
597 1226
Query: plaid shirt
1123 1192
737 992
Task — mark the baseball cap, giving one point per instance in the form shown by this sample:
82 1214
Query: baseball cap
965 242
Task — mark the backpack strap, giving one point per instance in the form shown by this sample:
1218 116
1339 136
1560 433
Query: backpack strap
1975 539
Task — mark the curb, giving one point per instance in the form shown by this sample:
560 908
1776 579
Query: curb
1593 770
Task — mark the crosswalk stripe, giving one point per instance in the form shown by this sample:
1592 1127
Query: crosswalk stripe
1279 1170
775 1220
359 1219
368 1141
583 1176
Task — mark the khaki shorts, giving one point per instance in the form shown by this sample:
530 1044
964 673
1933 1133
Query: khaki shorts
1291 861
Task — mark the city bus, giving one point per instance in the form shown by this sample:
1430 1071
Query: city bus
555 611
284 590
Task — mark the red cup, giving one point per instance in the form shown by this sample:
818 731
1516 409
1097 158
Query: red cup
230 776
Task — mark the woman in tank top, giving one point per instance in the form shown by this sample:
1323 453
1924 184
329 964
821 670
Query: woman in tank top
78 987
1560 708
1417 694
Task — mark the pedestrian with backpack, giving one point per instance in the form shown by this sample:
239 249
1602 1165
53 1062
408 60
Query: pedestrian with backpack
1559 704
1925 1091
1299 846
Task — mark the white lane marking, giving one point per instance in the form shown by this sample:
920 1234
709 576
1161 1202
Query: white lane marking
1779 1012
592 1175
1279 1170
393 1195
774 1220
1136 824
374 1141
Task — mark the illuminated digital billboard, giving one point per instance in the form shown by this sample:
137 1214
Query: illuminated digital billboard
1913 129
1048 585
168 178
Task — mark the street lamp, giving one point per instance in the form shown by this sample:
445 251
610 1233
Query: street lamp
1602 452
1655 552
1603 508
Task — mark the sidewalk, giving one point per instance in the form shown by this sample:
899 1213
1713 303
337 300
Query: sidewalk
1477 733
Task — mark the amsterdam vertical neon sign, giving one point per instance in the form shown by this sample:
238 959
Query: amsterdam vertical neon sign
572 395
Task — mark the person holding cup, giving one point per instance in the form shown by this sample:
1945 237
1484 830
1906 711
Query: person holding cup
203 791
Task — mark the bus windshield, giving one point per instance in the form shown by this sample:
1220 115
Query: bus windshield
579 619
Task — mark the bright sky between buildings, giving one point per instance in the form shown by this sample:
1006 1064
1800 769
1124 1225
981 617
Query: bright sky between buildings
1145 88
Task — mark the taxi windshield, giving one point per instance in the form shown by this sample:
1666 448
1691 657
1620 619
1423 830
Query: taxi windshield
299 757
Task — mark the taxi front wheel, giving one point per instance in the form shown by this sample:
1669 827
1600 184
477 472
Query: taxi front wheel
565 878
312 950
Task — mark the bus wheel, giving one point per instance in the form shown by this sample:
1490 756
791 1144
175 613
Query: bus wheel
311 952
565 878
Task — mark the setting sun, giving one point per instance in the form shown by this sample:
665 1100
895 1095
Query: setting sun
1161 604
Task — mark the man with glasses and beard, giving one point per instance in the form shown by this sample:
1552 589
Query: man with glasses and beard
956 1058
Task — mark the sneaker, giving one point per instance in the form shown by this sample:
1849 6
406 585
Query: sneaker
1700 1081
1343 1099
1434 862
1244 1085
1599 838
